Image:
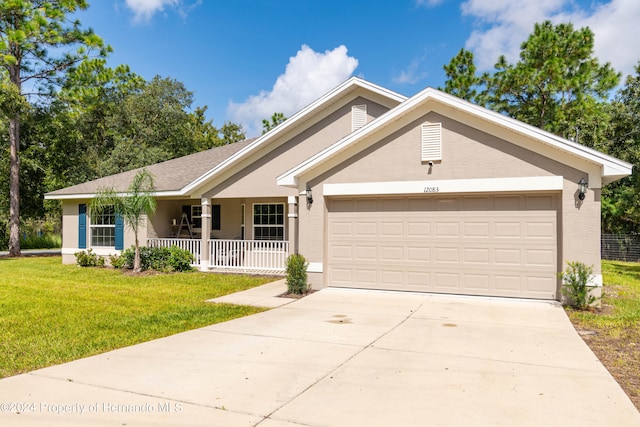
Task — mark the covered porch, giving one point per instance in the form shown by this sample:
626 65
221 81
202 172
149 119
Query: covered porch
230 235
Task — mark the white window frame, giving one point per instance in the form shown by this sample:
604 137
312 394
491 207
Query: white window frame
254 226
97 222
194 216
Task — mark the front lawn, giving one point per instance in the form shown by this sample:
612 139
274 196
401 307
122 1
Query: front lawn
52 313
613 333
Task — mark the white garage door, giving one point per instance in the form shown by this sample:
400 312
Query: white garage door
491 245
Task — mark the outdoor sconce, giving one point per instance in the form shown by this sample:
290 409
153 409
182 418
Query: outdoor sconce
309 196
582 188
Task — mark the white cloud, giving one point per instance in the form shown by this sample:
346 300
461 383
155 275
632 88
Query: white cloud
411 74
429 3
308 76
502 25
145 9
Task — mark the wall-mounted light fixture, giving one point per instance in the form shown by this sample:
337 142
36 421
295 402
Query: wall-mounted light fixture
309 196
583 186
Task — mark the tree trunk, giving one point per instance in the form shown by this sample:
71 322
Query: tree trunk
14 169
14 187
137 268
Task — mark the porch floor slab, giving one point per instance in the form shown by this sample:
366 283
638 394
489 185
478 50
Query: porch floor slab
261 296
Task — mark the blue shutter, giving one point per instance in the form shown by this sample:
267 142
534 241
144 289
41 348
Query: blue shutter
82 226
119 232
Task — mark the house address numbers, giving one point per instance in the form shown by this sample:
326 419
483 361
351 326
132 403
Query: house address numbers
431 190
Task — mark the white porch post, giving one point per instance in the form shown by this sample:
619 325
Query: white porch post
293 224
204 238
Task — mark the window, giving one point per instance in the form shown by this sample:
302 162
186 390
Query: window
103 227
431 141
194 214
358 117
268 221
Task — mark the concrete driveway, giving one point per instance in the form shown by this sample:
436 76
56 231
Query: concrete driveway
340 358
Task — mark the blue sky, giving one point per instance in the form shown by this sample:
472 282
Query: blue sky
247 59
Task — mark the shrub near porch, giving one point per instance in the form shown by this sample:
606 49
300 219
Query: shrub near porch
52 313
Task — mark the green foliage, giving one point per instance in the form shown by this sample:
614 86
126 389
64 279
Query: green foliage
462 80
167 260
556 83
41 241
54 313
296 266
276 119
180 259
575 285
89 259
620 209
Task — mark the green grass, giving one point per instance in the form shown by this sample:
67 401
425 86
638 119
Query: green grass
621 300
52 313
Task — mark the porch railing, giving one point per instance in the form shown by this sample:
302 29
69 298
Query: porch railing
191 245
250 256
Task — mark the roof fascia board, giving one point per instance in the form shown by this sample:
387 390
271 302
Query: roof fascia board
608 164
338 92
94 195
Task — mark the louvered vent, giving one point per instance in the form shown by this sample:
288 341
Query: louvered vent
431 141
358 117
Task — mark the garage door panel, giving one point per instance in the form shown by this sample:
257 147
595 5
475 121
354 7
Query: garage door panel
477 255
534 257
392 229
477 229
478 282
447 255
497 248
541 230
510 230
446 281
418 254
447 229
418 229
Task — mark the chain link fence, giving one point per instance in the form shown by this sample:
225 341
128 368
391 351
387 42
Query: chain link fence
620 247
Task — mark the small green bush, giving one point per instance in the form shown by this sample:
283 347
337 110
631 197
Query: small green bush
89 259
117 261
575 285
158 259
297 274
180 259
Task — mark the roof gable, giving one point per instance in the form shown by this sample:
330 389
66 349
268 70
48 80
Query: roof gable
187 176
434 100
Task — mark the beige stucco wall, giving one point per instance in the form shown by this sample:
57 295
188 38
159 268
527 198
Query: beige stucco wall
260 177
467 153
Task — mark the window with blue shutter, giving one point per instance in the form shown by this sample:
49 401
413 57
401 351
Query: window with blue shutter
82 226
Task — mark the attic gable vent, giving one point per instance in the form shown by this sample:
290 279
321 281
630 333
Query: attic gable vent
358 117
431 141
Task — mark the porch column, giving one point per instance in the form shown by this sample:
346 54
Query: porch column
293 224
205 236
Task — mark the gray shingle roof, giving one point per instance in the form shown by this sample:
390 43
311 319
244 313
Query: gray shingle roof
171 175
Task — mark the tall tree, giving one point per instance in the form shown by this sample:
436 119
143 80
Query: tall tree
30 31
621 200
462 80
276 119
137 203
556 83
